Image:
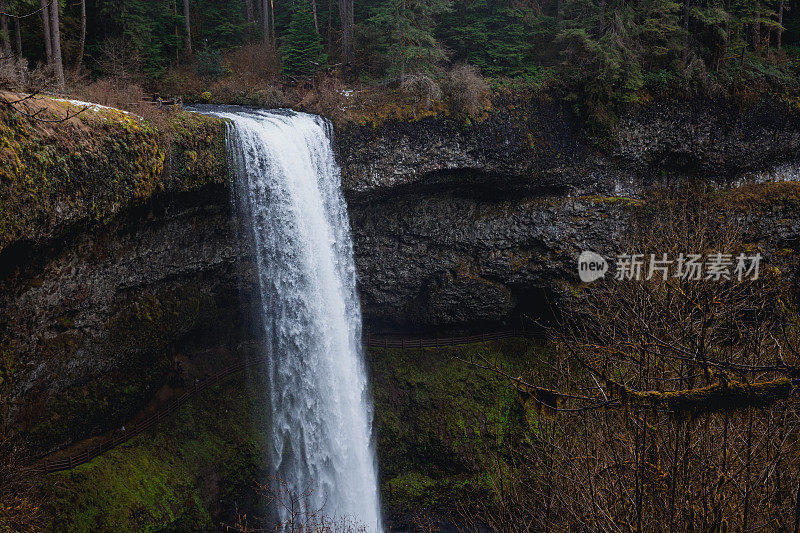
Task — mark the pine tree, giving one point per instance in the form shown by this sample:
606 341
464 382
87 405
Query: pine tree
498 36
149 26
302 51
408 34
222 23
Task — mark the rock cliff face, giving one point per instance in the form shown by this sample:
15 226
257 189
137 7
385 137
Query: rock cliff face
461 223
539 148
104 244
456 225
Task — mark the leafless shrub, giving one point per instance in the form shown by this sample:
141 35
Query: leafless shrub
425 522
271 96
112 92
18 510
670 404
422 88
253 63
298 512
118 60
327 97
466 89
15 75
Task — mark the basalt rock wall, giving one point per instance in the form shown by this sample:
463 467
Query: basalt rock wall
458 225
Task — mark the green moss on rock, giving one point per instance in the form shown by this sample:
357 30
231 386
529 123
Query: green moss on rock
177 477
440 419
91 167
197 151
143 330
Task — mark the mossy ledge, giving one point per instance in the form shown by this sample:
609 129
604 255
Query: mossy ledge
188 474
87 169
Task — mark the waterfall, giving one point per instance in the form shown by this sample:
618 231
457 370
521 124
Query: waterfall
289 191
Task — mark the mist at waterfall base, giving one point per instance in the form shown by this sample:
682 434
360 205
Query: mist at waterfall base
289 196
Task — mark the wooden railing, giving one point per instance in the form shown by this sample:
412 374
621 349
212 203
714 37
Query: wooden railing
439 342
160 103
46 466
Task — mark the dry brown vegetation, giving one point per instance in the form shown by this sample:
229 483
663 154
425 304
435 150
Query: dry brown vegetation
19 511
669 406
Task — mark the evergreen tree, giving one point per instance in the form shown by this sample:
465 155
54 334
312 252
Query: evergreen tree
407 30
222 23
498 36
149 25
302 50
609 48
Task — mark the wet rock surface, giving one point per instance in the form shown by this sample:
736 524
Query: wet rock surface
456 226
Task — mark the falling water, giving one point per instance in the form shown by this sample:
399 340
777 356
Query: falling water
289 190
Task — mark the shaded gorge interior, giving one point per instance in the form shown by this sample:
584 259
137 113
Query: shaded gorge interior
457 229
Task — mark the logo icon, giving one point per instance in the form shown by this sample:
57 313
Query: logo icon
591 266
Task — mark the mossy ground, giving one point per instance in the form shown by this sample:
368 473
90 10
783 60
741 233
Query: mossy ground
177 477
90 164
440 421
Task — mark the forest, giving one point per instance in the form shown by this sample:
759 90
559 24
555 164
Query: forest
373 300
597 54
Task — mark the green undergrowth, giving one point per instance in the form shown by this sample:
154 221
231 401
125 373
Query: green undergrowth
176 477
440 420
441 423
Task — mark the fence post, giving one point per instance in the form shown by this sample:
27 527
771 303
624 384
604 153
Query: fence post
70 462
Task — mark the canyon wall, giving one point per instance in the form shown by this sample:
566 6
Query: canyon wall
118 254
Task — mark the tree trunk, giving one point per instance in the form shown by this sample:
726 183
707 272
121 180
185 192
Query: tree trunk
314 10
79 61
780 23
55 35
19 36
347 23
757 29
559 13
272 22
402 59
248 4
330 27
48 42
6 36
686 30
187 34
265 22
177 32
